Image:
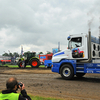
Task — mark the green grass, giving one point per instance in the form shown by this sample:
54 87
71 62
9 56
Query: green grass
40 98
41 66
16 66
12 66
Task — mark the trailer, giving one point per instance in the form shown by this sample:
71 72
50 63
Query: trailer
5 60
81 57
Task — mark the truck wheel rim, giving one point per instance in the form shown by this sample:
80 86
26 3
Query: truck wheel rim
34 63
66 72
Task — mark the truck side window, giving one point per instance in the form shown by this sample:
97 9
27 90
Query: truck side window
75 42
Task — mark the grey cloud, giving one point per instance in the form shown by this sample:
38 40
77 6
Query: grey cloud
40 22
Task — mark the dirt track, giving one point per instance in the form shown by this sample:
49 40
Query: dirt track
43 82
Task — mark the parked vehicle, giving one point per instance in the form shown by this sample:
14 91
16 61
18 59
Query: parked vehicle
5 60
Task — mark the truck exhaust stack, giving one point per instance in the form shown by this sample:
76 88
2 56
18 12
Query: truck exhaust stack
89 47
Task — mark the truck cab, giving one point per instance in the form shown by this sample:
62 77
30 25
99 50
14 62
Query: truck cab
77 49
82 56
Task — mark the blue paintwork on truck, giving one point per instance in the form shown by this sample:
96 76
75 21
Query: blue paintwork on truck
88 68
57 65
78 67
92 68
58 54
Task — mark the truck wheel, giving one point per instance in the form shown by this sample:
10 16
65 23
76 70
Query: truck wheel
80 75
67 72
20 64
35 63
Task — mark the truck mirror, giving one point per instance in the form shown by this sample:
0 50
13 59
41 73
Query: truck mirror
68 38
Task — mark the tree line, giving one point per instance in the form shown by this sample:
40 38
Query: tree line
15 54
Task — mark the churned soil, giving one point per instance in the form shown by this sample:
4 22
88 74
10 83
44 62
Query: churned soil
43 82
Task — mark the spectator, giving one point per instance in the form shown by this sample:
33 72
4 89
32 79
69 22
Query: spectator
10 93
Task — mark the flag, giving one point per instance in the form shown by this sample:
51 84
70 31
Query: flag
22 50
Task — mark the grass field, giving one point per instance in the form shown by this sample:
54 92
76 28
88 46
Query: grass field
41 98
16 66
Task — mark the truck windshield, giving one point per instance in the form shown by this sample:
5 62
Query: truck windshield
75 42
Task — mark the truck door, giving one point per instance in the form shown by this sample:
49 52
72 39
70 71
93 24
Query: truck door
78 47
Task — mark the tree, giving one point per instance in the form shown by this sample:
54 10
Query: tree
10 54
48 52
40 52
15 54
5 54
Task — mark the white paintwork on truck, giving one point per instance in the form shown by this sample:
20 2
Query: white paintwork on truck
67 53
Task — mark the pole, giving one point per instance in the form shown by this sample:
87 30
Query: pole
58 46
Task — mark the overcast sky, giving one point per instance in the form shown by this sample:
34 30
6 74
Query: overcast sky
38 25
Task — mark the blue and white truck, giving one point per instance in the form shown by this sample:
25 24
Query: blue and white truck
81 57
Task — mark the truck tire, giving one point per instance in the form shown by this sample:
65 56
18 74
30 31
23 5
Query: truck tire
80 75
35 63
20 64
67 72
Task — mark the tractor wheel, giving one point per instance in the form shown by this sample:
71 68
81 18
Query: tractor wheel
67 72
20 64
80 75
35 63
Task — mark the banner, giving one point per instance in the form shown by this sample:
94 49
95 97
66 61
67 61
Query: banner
54 50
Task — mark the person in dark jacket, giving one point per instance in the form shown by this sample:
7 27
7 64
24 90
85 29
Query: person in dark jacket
10 93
